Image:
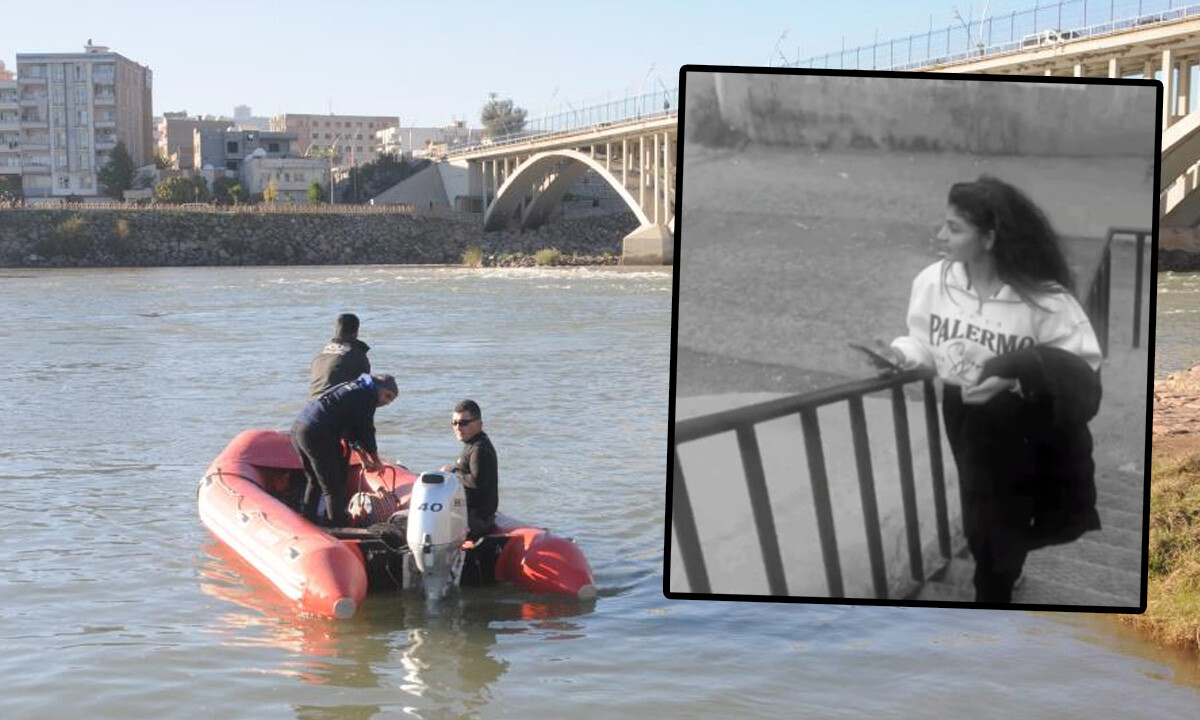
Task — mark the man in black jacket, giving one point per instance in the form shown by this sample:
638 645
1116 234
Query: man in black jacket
343 359
477 466
346 412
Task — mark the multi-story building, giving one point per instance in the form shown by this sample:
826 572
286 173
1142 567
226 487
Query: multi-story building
425 141
175 136
10 124
291 176
74 108
351 136
228 149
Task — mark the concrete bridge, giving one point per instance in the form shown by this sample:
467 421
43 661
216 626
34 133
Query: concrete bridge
1168 49
520 181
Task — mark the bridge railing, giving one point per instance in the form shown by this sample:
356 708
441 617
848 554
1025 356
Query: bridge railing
649 106
1044 25
743 422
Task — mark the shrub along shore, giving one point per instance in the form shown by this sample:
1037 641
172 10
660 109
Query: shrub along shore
154 238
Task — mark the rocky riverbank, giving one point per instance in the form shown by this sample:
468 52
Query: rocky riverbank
1177 411
153 238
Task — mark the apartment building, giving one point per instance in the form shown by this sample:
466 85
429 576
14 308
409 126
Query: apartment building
74 108
291 176
351 136
10 124
228 149
175 136
426 141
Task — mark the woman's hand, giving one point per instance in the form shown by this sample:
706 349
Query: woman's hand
986 390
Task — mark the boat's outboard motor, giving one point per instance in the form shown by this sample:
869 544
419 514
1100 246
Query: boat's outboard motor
437 527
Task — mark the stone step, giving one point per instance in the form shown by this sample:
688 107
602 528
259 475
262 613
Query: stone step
1095 551
1121 484
943 592
1117 518
1062 569
1118 537
1045 591
1108 499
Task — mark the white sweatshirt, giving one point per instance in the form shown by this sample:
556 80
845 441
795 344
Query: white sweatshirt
952 330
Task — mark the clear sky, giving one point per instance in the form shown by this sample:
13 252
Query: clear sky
429 62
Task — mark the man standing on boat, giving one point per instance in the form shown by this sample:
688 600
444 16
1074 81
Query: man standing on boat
345 412
477 467
343 359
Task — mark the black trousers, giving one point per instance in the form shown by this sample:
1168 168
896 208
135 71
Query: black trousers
996 471
325 468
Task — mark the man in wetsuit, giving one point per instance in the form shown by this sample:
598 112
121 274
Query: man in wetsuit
345 412
477 467
343 359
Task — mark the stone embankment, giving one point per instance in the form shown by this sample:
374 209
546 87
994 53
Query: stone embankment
153 238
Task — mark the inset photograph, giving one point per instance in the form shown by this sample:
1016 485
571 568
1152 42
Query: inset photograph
913 333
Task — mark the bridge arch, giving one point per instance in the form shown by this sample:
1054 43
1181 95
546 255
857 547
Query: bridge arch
539 184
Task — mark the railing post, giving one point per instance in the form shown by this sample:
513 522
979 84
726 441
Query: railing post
1137 299
866 487
760 504
684 522
936 469
908 491
821 504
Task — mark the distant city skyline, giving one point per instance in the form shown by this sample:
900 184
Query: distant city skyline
431 63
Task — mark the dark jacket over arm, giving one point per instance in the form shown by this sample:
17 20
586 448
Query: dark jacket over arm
1062 394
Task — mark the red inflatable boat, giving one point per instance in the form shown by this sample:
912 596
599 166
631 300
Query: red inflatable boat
247 499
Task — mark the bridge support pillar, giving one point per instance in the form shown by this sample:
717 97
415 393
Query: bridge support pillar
649 245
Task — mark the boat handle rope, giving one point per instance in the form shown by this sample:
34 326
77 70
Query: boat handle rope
220 477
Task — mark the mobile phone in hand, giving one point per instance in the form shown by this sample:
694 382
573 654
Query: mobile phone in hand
875 358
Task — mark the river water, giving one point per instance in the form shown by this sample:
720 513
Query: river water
117 387
1178 322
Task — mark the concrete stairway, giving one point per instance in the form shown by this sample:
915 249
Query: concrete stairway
1100 569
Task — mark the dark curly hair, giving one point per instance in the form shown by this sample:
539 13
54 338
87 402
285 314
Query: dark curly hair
1027 251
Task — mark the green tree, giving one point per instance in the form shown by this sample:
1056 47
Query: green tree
271 191
316 192
501 117
116 176
370 179
178 190
228 191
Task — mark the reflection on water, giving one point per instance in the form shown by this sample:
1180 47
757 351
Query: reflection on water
444 653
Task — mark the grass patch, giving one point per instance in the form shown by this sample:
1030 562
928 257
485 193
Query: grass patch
473 256
1173 594
547 256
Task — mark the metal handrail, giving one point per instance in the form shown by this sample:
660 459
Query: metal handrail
636 107
1040 26
742 421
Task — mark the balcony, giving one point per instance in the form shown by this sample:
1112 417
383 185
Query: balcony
106 142
104 99
102 77
33 120
10 122
38 142
8 101
33 100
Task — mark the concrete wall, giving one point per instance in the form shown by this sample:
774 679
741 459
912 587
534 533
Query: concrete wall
918 114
